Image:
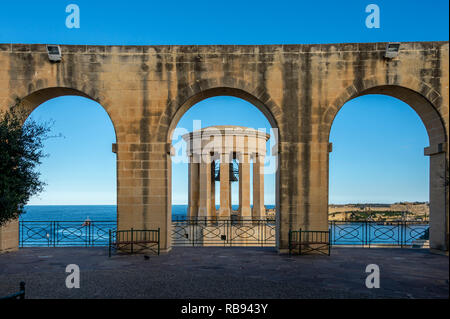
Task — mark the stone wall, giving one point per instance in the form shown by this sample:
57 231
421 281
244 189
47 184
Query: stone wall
300 88
9 237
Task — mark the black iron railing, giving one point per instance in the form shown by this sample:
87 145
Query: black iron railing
65 233
211 232
134 241
206 232
305 241
372 233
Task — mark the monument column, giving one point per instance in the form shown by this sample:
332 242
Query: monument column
259 211
244 187
224 211
231 190
204 210
193 186
213 190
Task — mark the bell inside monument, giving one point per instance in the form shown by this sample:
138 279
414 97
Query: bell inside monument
234 172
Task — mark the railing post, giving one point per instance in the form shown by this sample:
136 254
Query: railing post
367 233
329 243
158 240
109 243
403 234
330 234
86 235
131 240
289 242
193 232
54 234
300 242
262 233
228 231
21 233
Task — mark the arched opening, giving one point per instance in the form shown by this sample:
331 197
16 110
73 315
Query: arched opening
379 141
225 108
78 206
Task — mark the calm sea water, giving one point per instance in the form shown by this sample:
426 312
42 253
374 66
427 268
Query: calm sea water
97 213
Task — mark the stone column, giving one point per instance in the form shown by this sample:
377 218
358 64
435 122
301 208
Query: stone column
230 198
259 211
213 190
225 205
193 187
438 212
244 187
204 210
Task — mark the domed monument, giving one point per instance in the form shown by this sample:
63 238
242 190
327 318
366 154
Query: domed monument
212 152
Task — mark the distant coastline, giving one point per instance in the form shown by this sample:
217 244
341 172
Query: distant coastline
344 212
408 211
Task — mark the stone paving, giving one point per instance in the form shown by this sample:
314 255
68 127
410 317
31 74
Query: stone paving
228 273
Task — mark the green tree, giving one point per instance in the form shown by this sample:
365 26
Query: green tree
21 151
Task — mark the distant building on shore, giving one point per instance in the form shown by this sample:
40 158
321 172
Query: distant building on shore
380 212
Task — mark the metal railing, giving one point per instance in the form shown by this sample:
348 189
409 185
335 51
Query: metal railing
212 232
133 241
372 233
207 232
309 241
65 233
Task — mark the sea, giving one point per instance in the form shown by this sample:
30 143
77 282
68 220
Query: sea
95 213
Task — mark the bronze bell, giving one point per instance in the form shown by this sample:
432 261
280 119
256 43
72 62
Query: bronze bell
234 173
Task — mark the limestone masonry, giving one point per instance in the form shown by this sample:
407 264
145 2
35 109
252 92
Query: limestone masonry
300 89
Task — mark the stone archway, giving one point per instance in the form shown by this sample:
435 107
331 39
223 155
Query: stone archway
9 234
189 102
437 149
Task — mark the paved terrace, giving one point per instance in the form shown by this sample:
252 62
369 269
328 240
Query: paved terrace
226 273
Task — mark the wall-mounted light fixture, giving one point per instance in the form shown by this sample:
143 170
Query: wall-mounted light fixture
392 50
54 52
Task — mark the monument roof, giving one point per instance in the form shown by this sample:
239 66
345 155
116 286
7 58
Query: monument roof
228 130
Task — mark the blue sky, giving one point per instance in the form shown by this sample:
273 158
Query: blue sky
374 158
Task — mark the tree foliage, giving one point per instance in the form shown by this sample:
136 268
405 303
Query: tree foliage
21 151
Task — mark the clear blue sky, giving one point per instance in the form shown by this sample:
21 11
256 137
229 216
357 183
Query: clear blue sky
81 167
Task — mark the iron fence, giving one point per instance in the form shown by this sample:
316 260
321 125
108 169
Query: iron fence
134 240
65 233
211 232
208 232
372 233
305 241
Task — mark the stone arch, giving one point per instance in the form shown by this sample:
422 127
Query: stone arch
31 101
202 90
426 101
